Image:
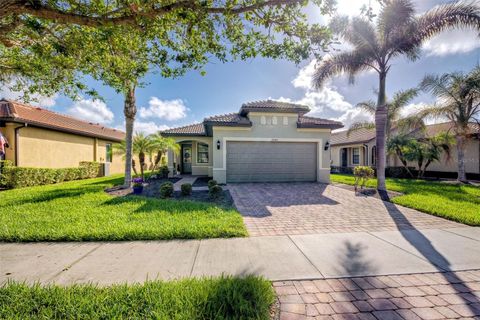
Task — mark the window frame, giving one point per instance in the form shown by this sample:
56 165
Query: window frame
203 152
357 156
285 121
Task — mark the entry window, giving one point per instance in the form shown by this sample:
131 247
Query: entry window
274 120
285 121
263 120
202 153
108 152
356 155
374 155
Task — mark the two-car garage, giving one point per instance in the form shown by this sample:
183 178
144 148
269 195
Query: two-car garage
266 161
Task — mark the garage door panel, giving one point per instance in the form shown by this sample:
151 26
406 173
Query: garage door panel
271 161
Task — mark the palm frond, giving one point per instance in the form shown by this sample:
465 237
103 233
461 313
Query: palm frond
435 112
359 126
395 14
403 98
439 86
369 106
361 34
346 62
410 123
446 16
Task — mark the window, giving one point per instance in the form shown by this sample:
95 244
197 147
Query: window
274 120
356 155
108 152
263 120
202 153
285 121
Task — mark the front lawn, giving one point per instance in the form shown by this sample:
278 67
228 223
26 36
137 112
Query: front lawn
81 210
216 298
452 201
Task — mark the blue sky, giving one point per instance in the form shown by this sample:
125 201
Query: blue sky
172 102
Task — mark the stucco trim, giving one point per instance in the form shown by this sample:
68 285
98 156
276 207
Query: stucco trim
313 130
226 139
223 128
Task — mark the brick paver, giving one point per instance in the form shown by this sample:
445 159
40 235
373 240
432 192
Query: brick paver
308 208
321 299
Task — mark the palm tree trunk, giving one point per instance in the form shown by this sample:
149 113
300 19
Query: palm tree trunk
129 111
462 176
380 128
141 158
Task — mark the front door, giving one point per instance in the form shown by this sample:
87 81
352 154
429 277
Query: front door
344 157
186 158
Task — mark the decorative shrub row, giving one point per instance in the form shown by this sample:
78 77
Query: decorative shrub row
19 177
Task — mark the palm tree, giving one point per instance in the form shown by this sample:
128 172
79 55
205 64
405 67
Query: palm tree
161 145
459 101
394 114
141 146
397 32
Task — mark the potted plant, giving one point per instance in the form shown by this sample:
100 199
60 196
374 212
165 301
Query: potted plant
137 185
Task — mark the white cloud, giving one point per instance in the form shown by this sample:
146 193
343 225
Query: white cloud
35 99
456 41
91 110
147 127
164 109
352 116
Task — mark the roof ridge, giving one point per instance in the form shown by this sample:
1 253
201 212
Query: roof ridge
222 115
185 126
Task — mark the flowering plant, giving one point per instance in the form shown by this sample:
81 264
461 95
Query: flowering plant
137 182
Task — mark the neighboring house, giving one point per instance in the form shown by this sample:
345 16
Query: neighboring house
44 139
265 141
358 148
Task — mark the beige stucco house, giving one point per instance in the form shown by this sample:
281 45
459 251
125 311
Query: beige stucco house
41 138
358 148
266 141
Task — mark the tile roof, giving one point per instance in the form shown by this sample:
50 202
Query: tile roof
312 122
197 129
228 119
273 106
357 136
35 116
365 135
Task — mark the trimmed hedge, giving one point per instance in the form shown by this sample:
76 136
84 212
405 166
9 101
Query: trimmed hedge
20 177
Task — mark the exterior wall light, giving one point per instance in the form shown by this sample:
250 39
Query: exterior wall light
218 144
327 145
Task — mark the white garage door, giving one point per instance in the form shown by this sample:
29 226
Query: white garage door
249 161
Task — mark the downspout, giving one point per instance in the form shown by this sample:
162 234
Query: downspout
17 136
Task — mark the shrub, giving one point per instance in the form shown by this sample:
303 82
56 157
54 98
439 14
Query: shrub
19 177
215 191
186 189
166 189
164 171
362 175
212 183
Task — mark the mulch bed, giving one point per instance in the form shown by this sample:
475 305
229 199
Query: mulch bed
201 182
152 190
367 192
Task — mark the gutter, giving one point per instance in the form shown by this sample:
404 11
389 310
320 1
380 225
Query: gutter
17 129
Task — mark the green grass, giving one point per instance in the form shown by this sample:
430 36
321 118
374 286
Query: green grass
81 210
456 202
212 298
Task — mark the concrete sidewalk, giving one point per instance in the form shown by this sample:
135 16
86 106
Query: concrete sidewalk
275 257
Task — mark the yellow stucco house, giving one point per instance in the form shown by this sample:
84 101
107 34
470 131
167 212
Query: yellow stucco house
42 138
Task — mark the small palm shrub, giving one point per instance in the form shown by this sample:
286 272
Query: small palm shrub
362 175
166 189
186 189
164 171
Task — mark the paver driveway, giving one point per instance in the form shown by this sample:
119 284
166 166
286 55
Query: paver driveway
309 208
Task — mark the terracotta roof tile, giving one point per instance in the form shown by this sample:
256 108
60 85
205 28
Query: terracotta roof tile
273 106
18 112
197 129
312 122
357 136
228 119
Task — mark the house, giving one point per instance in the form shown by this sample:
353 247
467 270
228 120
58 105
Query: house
358 149
41 138
266 141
